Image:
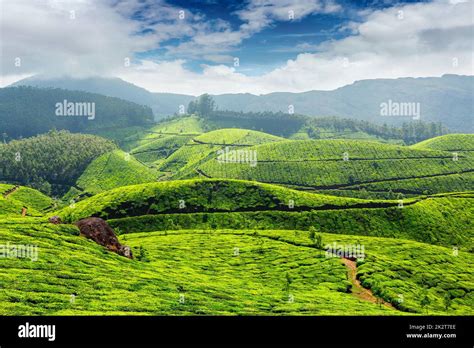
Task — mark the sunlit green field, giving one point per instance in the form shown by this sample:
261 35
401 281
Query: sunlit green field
224 272
215 244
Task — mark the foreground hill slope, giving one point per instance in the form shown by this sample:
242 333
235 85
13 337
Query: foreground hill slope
228 272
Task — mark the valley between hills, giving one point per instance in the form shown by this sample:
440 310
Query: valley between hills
214 236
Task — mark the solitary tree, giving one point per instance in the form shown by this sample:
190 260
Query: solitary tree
447 301
203 106
425 300
318 241
288 281
192 107
312 233
142 254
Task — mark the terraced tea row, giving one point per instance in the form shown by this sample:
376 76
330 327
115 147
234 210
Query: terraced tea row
442 219
353 165
228 272
206 146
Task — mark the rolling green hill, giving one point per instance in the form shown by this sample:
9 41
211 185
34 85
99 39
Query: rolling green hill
28 196
369 166
111 170
225 246
295 127
14 199
153 145
440 220
51 162
217 204
185 160
158 143
184 126
225 272
158 149
448 142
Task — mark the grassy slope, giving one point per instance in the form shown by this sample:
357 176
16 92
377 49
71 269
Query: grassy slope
193 125
235 136
158 149
186 126
203 266
114 169
23 196
11 207
371 165
449 142
444 219
203 147
32 198
198 196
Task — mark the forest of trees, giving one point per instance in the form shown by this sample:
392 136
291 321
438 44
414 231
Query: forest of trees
28 111
278 123
284 124
50 162
410 132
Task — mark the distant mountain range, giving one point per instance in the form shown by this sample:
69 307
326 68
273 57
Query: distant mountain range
447 99
162 104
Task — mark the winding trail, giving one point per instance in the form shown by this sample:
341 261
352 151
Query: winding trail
10 191
357 289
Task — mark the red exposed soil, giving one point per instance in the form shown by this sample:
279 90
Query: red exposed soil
100 232
357 289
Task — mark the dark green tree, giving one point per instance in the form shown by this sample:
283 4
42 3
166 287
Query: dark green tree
203 106
447 301
288 281
425 300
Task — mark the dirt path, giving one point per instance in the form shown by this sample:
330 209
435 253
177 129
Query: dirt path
10 191
357 289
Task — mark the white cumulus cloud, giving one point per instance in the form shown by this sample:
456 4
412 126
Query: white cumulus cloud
421 39
416 40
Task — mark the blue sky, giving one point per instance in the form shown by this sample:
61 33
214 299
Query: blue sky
282 40
190 46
